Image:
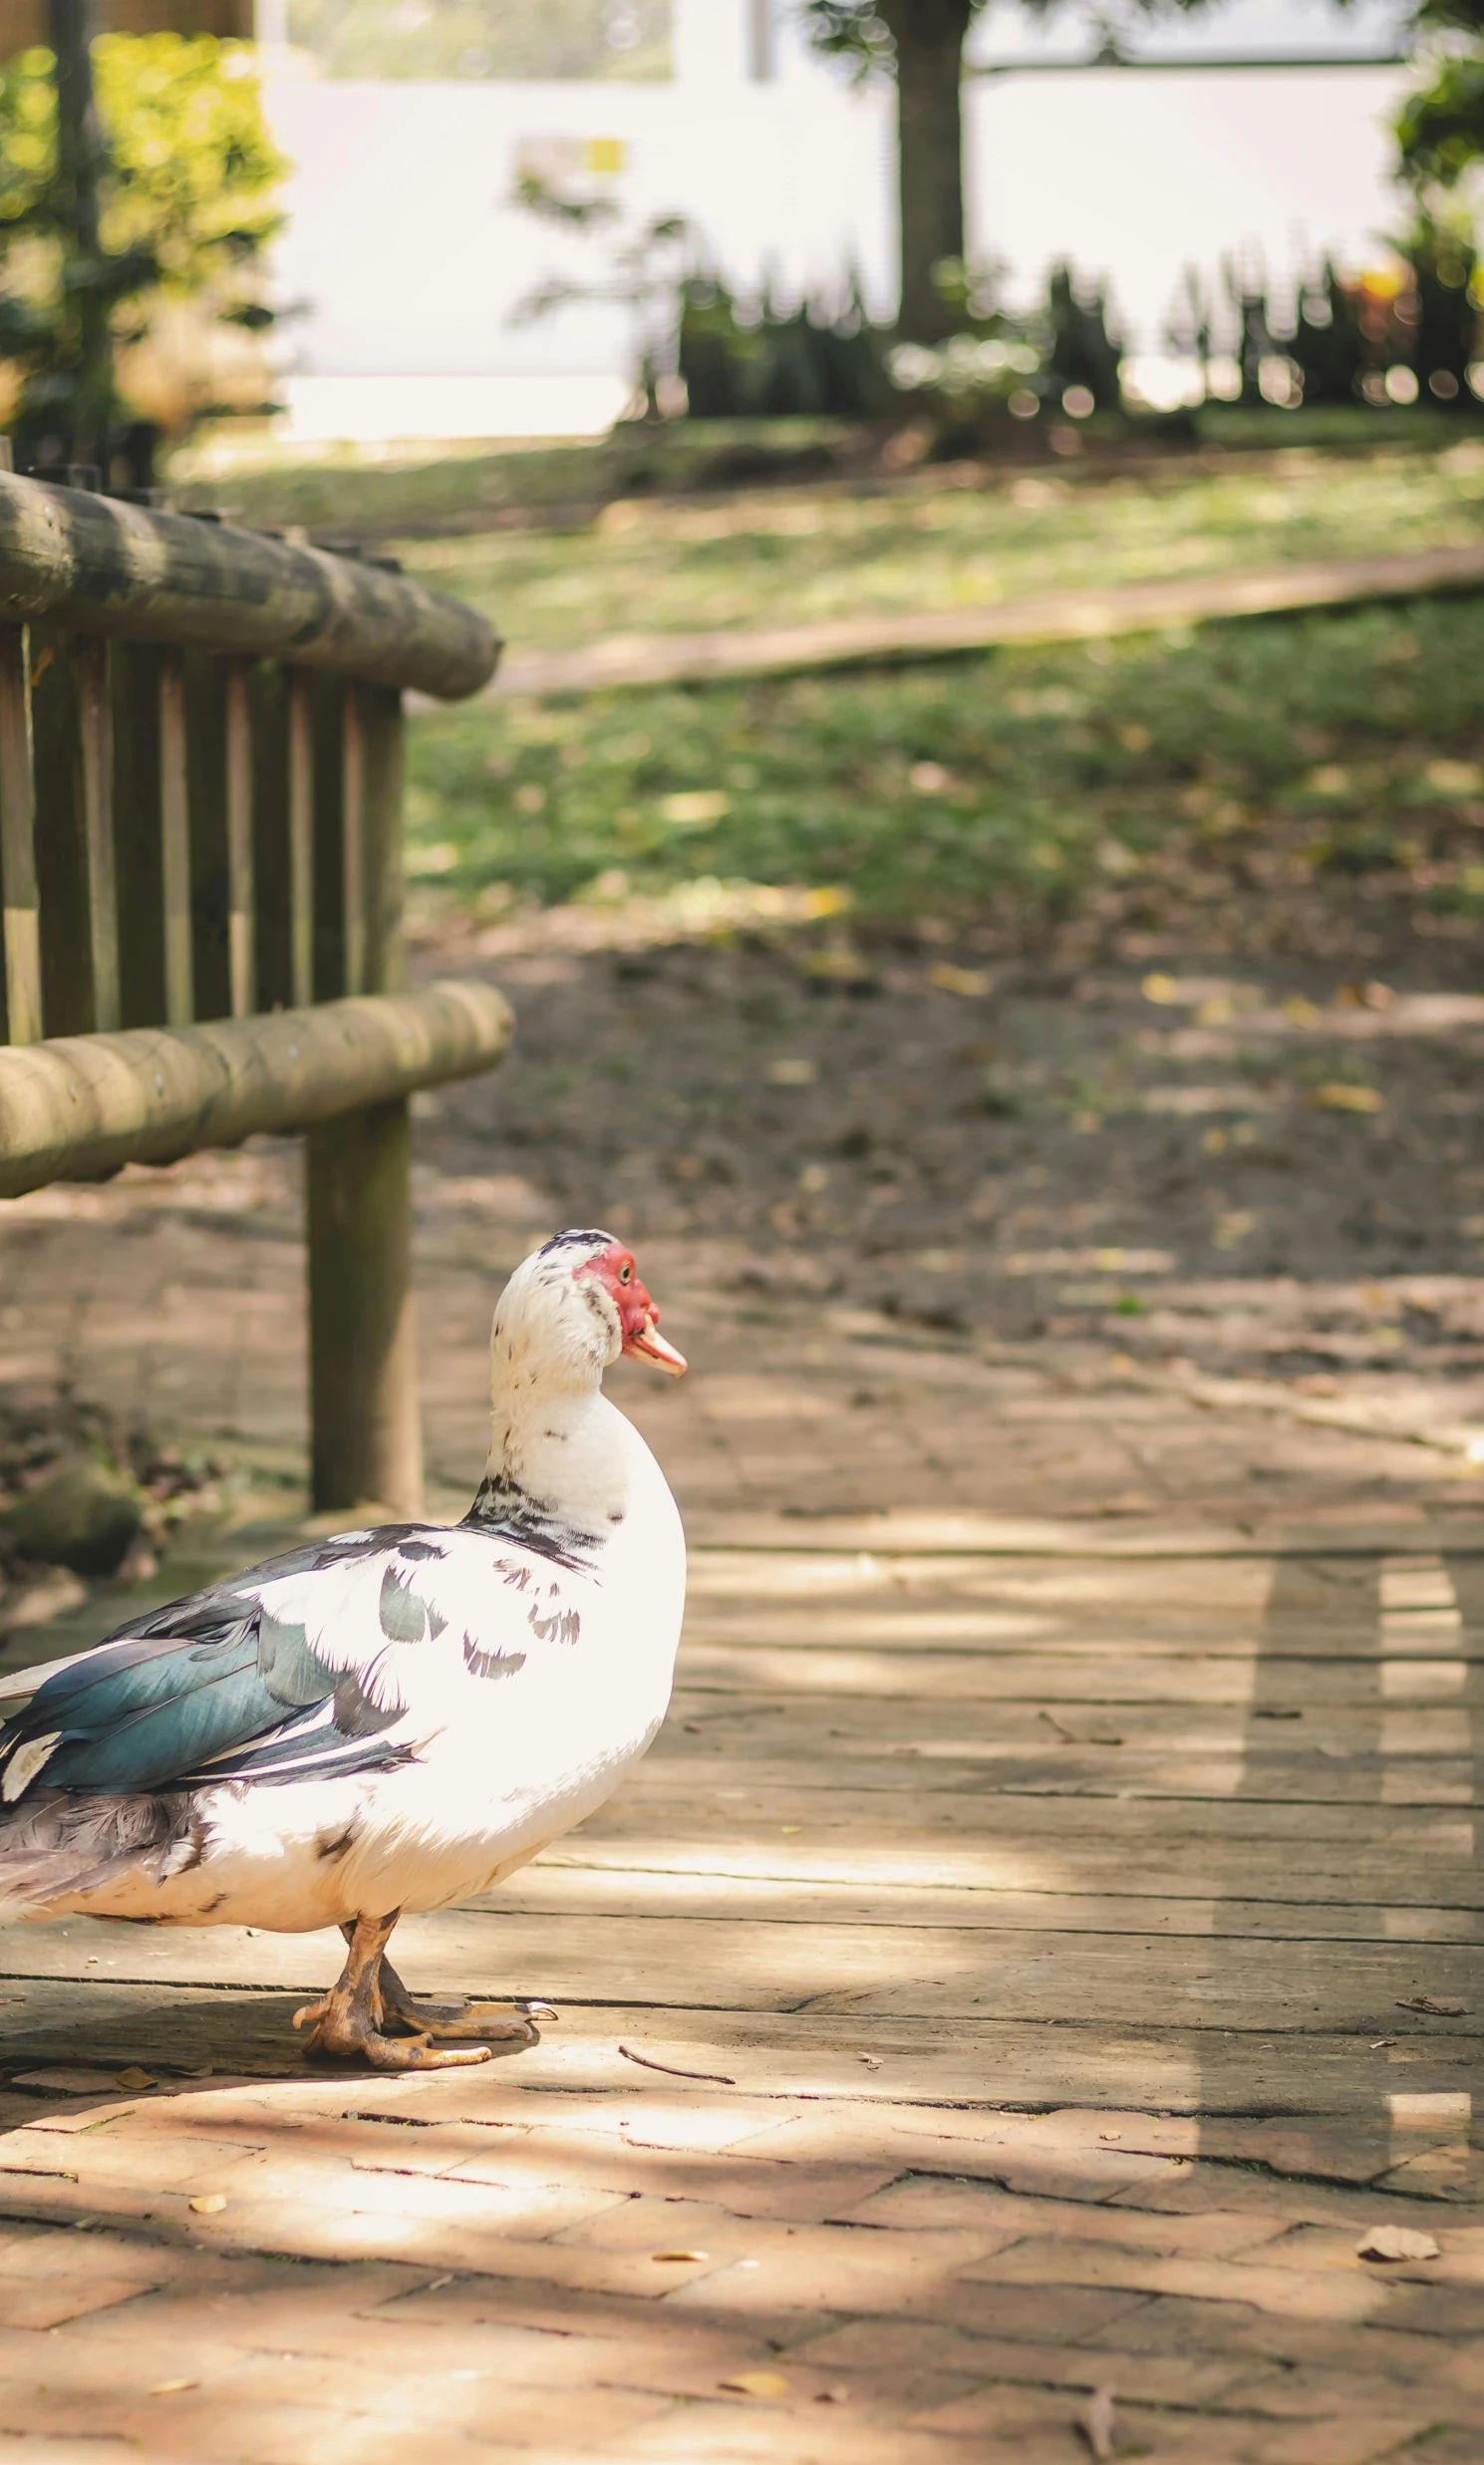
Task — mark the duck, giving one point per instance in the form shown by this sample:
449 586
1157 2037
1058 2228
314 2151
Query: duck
389 1720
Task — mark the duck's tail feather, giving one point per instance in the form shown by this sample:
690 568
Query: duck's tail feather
60 1843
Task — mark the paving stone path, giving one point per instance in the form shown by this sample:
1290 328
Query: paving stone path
1040 1952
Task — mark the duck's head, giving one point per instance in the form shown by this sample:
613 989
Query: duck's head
573 1306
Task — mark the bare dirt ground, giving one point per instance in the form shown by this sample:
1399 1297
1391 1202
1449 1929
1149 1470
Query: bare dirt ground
1244 1167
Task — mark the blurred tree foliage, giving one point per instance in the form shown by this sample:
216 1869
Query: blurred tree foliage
805 360
185 178
464 39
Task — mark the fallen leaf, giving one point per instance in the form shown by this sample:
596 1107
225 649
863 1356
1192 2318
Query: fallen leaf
792 1070
837 967
1302 1012
171 2387
1395 2242
971 982
134 2078
1429 2003
1159 989
67 2084
209 2203
694 806
1097 2424
757 2383
788 1828
1455 779
1339 1095
663 2255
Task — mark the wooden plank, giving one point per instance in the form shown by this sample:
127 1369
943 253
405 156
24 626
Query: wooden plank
1055 616
241 895
175 830
1062 1678
22 930
966 1630
95 738
910 1532
1247 1986
1030 1826
620 1897
924 1879
946 2075
1068 1774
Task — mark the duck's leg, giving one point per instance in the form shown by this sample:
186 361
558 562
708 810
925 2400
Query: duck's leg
347 2024
447 2019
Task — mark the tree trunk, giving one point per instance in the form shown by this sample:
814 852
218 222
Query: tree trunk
80 154
929 38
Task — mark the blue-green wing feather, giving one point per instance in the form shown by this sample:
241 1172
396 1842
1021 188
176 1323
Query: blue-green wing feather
211 1688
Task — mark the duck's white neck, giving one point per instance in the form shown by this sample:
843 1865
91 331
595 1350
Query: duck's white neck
556 1457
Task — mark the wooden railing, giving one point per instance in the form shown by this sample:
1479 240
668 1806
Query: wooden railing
201 867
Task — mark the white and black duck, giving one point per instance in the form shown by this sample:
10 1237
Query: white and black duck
390 1719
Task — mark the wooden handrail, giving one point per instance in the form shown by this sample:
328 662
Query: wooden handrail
99 566
79 1107
200 899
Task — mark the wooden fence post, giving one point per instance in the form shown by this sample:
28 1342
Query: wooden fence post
367 1444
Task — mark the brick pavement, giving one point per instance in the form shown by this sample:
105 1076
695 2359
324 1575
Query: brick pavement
1042 1845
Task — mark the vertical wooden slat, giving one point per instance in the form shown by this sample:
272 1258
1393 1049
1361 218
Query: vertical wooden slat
383 732
327 699
175 832
96 747
22 937
205 776
138 855
352 851
241 911
301 836
62 870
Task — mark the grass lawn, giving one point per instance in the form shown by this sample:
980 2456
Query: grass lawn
1335 756
798 555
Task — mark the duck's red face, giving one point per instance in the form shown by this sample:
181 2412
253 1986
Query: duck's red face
638 1316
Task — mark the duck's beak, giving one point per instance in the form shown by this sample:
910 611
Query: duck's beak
646 1344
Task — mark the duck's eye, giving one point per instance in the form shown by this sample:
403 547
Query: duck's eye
626 1273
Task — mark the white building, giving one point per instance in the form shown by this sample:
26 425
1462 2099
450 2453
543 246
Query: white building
411 257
